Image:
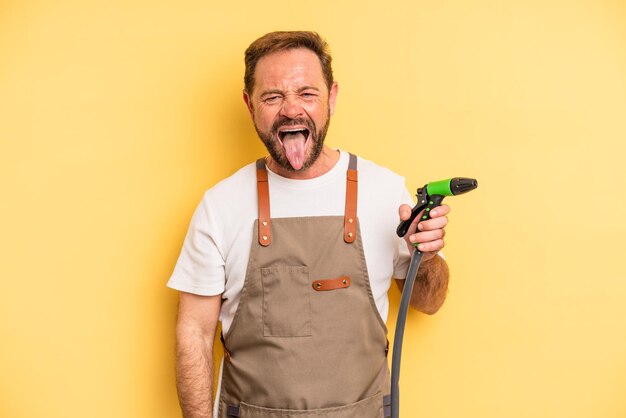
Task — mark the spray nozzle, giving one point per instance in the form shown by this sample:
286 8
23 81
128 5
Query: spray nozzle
451 187
432 194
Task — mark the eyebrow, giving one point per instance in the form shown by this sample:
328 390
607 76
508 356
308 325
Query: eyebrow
277 91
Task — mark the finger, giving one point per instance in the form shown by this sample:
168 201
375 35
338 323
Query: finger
442 210
428 236
434 223
433 246
404 211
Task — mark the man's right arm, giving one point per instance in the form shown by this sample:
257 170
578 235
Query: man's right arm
195 331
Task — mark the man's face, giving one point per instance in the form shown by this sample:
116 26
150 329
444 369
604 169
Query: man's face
291 106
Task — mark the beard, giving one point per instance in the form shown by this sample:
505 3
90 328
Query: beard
276 149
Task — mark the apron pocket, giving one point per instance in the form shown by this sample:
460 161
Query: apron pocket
286 301
371 407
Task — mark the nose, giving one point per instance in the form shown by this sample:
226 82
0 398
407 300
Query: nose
291 107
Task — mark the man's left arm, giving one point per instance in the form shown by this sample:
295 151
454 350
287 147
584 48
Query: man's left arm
431 284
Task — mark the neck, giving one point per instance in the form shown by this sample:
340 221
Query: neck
324 163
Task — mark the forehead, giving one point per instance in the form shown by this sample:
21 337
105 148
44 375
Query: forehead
287 70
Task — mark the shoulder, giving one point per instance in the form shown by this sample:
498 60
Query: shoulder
377 176
232 187
232 201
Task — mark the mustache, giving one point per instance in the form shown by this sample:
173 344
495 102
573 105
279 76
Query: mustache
284 121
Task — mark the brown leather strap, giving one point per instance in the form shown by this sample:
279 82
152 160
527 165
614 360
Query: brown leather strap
263 193
331 284
352 186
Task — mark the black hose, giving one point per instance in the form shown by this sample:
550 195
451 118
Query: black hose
405 300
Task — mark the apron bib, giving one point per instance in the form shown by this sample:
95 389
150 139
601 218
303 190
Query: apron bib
307 339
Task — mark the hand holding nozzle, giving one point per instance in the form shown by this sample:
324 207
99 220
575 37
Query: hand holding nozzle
428 235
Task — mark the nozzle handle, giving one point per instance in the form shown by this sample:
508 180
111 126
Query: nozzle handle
428 205
403 227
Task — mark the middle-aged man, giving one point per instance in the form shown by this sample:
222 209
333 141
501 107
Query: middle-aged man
295 255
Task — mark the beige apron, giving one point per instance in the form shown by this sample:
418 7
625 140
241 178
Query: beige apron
306 340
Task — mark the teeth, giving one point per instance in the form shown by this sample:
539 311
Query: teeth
284 132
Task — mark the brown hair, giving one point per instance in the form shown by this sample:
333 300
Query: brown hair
282 41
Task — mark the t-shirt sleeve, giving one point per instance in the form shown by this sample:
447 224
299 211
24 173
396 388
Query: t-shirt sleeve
402 257
200 266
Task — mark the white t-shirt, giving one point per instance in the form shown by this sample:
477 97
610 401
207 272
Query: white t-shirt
215 253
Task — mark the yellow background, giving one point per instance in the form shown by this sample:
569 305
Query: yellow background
116 116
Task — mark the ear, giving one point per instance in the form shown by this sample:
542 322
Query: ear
248 100
332 97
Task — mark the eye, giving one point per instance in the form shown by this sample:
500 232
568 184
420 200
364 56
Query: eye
271 99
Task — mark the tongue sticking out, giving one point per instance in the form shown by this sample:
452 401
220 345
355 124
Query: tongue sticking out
294 149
